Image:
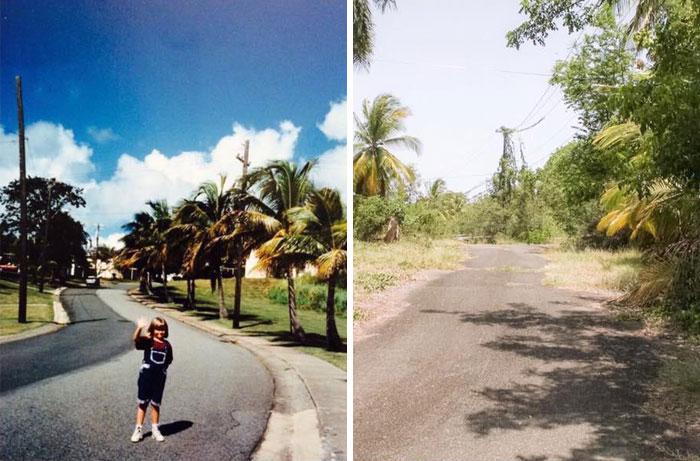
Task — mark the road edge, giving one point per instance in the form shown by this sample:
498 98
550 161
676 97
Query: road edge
293 430
60 320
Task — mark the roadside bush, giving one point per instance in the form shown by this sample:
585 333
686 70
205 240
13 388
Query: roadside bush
371 215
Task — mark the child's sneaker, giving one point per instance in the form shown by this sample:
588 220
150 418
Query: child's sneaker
155 433
137 435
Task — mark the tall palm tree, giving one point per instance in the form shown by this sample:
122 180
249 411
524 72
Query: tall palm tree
196 219
321 232
376 170
363 29
282 186
242 230
146 245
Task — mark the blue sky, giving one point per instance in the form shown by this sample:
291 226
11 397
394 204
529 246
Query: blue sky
447 61
112 81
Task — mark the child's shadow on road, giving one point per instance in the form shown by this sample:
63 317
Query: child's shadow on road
173 428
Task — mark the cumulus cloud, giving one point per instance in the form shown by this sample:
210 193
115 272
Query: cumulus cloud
102 135
331 170
334 125
54 152
157 176
51 151
113 241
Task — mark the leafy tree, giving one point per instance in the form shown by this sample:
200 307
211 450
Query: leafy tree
46 199
592 76
195 222
363 29
377 170
282 186
545 16
147 246
321 232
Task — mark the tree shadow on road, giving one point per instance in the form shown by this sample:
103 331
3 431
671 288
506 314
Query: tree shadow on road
595 372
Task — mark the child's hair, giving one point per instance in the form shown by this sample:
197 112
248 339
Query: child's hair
159 323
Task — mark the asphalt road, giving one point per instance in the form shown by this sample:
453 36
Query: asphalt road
72 394
487 364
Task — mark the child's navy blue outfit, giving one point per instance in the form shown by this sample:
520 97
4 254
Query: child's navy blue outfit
156 358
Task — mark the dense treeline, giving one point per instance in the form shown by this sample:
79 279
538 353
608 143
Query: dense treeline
630 177
275 211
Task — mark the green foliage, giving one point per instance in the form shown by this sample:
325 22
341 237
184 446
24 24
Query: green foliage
590 78
310 296
371 215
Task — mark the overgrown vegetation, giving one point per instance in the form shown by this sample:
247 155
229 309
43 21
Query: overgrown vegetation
629 181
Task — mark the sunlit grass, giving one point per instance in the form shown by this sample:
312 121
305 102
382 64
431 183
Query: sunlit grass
593 269
260 316
39 308
378 265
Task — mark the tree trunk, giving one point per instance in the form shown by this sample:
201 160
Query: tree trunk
223 313
240 268
193 294
165 284
143 282
295 327
392 231
333 341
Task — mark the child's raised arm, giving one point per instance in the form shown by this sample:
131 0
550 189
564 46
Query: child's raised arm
141 323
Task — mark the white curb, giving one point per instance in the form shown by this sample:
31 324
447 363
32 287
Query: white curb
60 316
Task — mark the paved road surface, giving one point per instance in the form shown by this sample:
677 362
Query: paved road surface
487 364
215 406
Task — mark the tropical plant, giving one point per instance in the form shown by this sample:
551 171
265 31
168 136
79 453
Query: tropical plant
241 231
363 29
146 245
196 221
376 170
282 186
320 231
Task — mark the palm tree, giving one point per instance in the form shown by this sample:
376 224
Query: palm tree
146 246
363 29
376 170
196 221
321 232
281 187
245 228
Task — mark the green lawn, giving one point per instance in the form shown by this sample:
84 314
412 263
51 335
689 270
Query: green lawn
39 308
261 316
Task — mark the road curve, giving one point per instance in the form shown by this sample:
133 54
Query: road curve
487 364
215 406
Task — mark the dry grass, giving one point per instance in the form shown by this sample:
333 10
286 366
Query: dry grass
593 270
379 266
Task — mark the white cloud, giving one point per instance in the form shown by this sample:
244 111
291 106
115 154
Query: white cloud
331 170
114 201
334 125
102 135
51 151
113 241
54 152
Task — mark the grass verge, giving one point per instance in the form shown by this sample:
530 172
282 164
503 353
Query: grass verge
593 269
379 266
39 308
261 316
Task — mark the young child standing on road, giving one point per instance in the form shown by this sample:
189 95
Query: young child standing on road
157 355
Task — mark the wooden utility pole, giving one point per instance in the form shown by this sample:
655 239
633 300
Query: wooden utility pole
239 270
244 159
22 313
97 246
